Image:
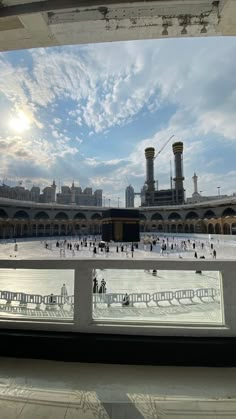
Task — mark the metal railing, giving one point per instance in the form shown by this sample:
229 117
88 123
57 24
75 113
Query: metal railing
83 301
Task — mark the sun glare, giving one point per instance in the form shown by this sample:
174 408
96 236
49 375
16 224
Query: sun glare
20 122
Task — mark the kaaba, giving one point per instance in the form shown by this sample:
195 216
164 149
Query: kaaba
120 225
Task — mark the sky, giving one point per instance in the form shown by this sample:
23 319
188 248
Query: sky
86 113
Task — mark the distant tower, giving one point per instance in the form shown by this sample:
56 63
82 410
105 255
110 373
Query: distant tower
149 154
195 178
73 193
179 186
129 197
54 187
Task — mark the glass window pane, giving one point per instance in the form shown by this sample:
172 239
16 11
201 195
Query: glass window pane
159 296
37 293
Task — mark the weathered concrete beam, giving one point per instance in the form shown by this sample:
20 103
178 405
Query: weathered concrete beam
27 24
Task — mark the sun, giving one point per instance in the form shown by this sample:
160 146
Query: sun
20 122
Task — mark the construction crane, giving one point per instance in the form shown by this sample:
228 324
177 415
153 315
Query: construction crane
162 148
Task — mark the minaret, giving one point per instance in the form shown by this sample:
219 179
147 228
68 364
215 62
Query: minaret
195 178
73 193
179 186
54 187
149 154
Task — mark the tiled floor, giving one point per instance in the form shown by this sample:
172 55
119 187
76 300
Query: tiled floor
35 389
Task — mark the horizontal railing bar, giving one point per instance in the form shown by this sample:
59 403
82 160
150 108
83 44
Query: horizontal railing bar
167 264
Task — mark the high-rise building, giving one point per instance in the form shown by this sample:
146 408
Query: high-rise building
129 197
98 197
75 195
35 192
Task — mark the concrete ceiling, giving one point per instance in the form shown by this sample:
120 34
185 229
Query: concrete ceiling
32 23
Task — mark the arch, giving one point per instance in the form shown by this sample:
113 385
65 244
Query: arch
174 216
191 228
233 228
18 230
3 214
191 215
25 230
173 228
142 217
217 228
204 228
96 216
179 228
226 228
61 216
63 230
160 227
186 228
211 229
209 214
200 227
41 215
21 215
157 216
47 229
76 228
228 211
34 230
40 230
56 230
79 216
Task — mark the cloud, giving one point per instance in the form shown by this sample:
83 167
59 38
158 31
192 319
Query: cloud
98 88
57 120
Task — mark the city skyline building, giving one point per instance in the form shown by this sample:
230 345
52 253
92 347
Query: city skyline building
129 197
67 195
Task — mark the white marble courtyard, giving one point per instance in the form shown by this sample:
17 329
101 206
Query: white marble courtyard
166 292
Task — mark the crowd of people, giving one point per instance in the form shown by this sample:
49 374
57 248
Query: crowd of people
164 246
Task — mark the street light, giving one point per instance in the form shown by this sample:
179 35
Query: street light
109 202
118 199
218 187
104 201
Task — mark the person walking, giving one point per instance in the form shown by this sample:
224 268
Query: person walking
214 254
95 285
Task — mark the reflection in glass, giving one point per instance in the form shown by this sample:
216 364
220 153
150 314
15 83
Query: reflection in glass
160 296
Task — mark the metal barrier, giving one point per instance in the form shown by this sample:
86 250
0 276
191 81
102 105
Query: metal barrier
206 292
162 296
54 300
184 294
139 298
115 298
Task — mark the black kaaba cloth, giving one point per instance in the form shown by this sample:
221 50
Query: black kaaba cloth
120 225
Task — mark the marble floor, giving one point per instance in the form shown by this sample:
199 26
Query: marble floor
37 389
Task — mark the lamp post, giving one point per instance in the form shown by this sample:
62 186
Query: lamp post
109 201
218 187
104 201
118 199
